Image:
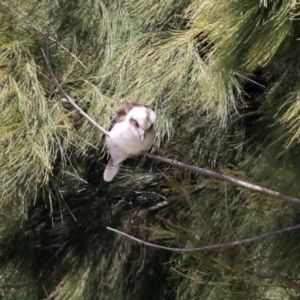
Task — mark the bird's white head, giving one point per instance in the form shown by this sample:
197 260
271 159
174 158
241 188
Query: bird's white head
142 118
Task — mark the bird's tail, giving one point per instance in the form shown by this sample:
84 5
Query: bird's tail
110 171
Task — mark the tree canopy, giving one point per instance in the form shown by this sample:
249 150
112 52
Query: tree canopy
223 77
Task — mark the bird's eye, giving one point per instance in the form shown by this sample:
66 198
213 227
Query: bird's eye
134 123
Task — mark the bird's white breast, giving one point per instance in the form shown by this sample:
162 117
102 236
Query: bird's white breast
124 141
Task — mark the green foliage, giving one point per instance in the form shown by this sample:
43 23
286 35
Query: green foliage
223 78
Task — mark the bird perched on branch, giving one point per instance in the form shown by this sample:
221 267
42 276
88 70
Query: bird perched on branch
131 132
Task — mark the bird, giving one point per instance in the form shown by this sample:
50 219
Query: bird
131 132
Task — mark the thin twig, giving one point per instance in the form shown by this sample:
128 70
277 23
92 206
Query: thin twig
173 162
223 177
289 283
15 287
154 207
71 100
209 247
25 20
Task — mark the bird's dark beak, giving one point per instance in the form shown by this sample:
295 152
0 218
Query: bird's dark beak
142 135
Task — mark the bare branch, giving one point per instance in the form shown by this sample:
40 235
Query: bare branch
173 162
209 247
223 177
71 100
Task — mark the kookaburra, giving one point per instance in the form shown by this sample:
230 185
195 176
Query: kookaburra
132 132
